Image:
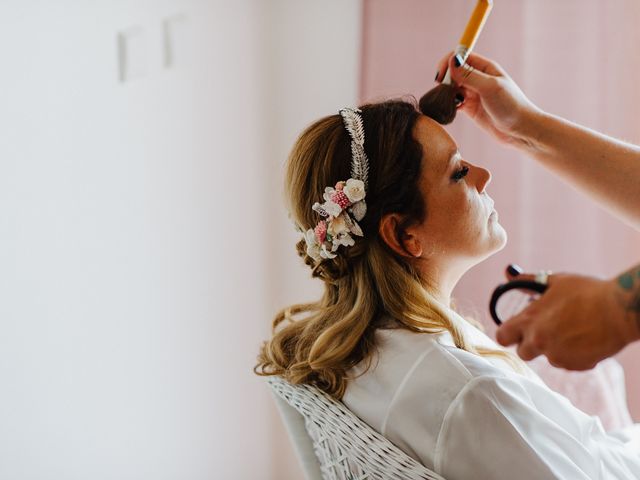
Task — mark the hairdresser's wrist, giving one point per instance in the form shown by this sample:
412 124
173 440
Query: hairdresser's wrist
529 132
624 290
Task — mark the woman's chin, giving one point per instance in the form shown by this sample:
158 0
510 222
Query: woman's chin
495 243
503 236
498 239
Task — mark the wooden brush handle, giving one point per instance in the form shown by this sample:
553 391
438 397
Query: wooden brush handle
475 24
471 32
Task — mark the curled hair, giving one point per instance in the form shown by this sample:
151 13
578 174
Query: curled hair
364 281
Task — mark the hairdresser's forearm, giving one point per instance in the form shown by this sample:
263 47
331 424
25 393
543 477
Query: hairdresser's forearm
606 169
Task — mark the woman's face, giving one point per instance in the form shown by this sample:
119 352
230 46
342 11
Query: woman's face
460 223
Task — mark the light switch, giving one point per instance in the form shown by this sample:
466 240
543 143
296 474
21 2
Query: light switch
176 44
132 53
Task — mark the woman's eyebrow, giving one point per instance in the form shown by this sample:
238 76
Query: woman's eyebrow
455 155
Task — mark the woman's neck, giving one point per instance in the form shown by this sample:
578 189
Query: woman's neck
442 279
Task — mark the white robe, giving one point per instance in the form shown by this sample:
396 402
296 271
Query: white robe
471 417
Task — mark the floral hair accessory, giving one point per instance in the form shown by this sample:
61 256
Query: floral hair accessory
344 204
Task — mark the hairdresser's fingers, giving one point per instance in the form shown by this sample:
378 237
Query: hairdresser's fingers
527 350
519 330
511 332
485 65
469 77
442 66
475 60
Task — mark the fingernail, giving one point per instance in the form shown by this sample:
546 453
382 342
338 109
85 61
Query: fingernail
459 98
457 60
514 269
437 75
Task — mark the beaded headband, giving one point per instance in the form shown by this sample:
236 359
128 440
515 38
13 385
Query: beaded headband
344 205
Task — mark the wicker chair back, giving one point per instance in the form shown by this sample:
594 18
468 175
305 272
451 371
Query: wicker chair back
345 446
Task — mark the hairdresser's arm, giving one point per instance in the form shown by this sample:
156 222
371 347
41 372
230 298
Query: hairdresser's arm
605 168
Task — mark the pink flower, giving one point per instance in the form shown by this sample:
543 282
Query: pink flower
340 198
321 231
339 186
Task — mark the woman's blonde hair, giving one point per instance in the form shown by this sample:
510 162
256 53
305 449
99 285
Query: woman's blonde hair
365 281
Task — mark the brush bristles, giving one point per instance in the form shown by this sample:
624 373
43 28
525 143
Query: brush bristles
439 103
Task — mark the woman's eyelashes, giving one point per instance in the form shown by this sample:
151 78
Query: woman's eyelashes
460 174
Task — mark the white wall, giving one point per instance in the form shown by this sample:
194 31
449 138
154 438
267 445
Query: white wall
138 261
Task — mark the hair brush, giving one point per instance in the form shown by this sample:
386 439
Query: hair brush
439 103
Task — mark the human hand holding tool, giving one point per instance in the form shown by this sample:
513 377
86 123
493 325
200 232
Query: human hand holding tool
440 102
576 323
490 97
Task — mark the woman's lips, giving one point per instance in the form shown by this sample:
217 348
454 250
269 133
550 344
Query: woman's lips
491 209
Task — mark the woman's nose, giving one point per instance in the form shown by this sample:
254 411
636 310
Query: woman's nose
484 178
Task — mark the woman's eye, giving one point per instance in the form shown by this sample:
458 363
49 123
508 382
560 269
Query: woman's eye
460 174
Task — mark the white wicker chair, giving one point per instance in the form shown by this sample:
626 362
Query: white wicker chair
345 447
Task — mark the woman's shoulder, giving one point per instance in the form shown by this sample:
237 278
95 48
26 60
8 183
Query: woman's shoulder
409 367
435 354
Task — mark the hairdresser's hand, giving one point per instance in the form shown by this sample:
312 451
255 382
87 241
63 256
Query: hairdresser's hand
576 323
491 97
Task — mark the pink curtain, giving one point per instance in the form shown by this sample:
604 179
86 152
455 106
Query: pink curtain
574 58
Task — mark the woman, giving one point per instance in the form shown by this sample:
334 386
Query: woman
404 216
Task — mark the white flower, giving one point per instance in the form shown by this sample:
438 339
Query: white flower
314 252
359 210
328 191
320 209
332 209
354 190
325 253
313 249
352 225
337 226
344 239
310 237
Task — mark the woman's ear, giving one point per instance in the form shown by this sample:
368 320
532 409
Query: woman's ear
408 246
